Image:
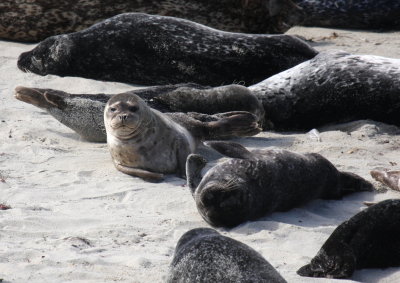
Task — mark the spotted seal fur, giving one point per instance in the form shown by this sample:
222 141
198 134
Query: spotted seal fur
255 183
333 87
195 107
154 50
370 239
35 20
204 255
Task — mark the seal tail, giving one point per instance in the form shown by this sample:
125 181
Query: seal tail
350 183
194 164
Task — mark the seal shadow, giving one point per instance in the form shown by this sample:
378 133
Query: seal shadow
374 275
72 136
316 213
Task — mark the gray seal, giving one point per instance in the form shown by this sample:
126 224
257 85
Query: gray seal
196 108
154 50
255 183
333 87
204 255
35 20
370 239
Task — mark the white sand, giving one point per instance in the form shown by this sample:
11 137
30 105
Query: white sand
74 218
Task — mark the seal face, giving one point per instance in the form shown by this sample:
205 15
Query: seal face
334 86
253 184
370 239
204 255
142 141
155 50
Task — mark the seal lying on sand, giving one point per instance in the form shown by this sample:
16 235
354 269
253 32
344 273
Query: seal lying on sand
253 184
333 87
388 178
153 50
204 255
34 20
361 14
370 239
83 113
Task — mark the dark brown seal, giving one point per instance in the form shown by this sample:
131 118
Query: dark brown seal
255 183
370 239
35 20
204 255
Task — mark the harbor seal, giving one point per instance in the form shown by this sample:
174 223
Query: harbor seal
35 20
333 87
204 255
196 108
359 14
143 142
154 50
370 239
255 183
388 178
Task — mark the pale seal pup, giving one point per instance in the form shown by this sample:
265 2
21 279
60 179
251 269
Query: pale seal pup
370 239
203 116
35 20
333 87
387 177
255 183
154 50
359 14
204 255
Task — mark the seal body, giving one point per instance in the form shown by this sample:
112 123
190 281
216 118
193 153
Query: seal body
35 20
142 141
207 113
333 87
154 50
370 239
254 184
360 14
204 255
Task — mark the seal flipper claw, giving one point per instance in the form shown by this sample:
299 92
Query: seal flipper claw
388 178
230 149
194 164
351 183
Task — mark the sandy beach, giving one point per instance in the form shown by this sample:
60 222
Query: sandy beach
75 218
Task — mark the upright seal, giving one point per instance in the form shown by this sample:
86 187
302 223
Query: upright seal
153 50
204 255
370 239
255 183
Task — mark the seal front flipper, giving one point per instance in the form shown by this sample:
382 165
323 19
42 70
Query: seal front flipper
230 149
388 178
194 164
144 174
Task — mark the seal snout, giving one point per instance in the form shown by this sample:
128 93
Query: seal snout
24 62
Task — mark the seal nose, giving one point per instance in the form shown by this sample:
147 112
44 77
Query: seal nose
123 117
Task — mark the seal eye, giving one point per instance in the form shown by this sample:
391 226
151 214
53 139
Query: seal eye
112 109
133 108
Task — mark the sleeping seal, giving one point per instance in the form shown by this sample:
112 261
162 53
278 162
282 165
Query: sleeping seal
35 20
204 255
153 50
370 239
204 117
254 184
333 87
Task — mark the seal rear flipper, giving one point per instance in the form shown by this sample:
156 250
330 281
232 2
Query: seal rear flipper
230 149
41 98
194 164
144 174
388 178
350 183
